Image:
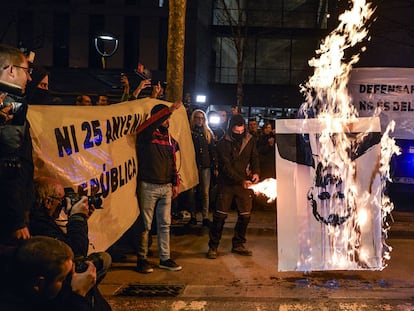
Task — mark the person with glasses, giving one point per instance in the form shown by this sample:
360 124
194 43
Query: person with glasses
49 197
203 139
16 163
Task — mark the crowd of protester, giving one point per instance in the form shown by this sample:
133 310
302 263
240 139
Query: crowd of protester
48 269
230 156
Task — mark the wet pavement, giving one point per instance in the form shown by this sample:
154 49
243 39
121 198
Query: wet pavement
233 282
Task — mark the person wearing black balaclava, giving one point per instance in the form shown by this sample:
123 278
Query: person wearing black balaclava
37 90
238 168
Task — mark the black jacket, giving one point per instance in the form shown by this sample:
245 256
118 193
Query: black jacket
77 230
16 297
237 161
16 172
267 155
12 299
156 151
204 152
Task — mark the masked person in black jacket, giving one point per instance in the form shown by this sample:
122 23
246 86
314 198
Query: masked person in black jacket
238 168
16 163
37 91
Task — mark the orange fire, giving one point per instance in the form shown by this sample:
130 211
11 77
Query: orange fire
327 99
267 187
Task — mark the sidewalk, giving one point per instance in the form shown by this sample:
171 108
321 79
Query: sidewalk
253 283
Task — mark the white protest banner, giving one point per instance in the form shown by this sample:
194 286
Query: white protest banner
389 89
321 226
92 150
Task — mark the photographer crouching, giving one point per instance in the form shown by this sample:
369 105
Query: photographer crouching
50 199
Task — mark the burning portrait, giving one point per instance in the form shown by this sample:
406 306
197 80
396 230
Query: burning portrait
330 196
332 166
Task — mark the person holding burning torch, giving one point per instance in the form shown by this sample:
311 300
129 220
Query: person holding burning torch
238 163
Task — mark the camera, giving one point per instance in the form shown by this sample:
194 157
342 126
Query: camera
15 106
95 200
81 265
14 93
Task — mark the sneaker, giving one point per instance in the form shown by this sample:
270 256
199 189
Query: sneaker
169 264
143 266
193 221
241 250
206 222
212 253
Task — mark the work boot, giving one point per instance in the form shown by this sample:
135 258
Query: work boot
212 253
206 222
241 250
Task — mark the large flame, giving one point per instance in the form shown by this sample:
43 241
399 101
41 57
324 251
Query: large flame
267 187
327 99
326 91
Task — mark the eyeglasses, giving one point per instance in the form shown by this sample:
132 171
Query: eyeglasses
27 69
56 198
199 118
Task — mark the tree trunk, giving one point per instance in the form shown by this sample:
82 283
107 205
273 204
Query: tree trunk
175 50
240 61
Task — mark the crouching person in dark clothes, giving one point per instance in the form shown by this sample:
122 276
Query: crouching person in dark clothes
49 194
36 272
238 163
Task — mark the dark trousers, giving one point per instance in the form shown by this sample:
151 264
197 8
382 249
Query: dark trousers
243 200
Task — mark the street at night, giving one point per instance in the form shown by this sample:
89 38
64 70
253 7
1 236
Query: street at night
233 282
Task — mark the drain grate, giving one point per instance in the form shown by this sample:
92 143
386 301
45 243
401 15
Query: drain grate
150 290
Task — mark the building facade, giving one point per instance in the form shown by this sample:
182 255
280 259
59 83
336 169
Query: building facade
279 37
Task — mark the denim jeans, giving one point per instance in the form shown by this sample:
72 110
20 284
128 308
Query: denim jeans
154 200
202 192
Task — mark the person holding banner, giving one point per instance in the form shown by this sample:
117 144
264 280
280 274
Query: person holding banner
236 155
158 183
16 162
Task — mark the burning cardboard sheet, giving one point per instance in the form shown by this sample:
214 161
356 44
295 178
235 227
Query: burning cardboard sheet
329 210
